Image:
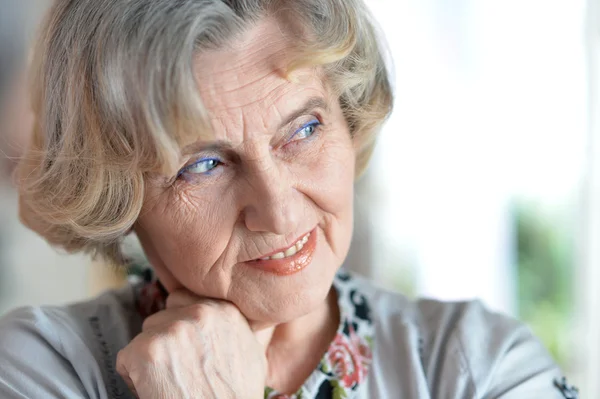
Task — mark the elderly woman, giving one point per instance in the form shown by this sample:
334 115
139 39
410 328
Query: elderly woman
226 135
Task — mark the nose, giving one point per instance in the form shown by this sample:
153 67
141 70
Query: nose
272 204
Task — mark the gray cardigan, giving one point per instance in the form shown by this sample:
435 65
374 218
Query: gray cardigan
422 349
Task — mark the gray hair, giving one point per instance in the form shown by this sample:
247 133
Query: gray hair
114 96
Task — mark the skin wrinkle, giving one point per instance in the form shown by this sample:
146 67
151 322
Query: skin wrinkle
220 85
180 222
265 99
218 88
254 57
249 61
245 85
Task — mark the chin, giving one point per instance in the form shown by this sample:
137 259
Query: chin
281 299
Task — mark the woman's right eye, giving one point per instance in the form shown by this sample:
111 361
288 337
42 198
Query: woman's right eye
200 167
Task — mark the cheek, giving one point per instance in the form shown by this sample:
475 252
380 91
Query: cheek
332 192
176 221
332 174
187 233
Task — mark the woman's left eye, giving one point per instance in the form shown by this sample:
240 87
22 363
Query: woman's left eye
306 131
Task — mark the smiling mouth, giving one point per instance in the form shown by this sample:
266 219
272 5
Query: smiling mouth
291 251
291 260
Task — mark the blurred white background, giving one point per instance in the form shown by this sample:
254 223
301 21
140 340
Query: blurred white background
30 271
485 183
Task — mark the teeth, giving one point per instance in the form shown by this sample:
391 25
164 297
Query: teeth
291 251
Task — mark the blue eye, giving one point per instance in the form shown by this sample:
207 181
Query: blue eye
201 166
306 131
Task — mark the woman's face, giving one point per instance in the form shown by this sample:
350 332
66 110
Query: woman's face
275 182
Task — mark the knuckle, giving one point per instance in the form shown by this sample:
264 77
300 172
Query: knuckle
179 298
152 351
229 310
146 324
177 328
152 321
145 348
199 312
122 361
172 301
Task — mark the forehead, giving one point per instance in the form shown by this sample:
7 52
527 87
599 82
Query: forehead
249 75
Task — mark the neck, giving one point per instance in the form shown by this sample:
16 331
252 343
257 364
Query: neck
294 349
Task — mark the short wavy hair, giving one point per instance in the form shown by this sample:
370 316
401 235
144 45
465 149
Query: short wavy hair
114 96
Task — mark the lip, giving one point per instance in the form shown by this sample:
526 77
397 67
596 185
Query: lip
289 265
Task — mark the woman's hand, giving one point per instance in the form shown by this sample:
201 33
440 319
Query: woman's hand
196 348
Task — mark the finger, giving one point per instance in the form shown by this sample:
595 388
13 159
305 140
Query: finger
124 373
199 310
131 387
157 322
182 298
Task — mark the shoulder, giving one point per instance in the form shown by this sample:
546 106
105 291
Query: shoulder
113 311
63 351
480 352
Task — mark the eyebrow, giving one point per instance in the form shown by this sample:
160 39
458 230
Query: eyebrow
311 104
